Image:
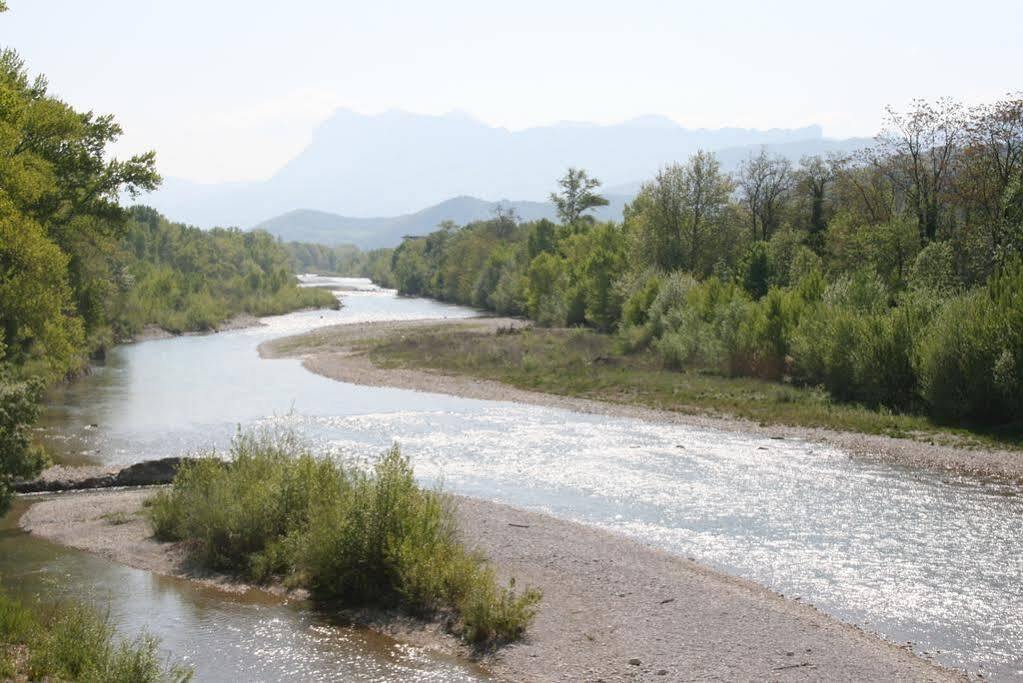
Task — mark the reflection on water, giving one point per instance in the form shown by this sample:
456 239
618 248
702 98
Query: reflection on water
224 637
912 555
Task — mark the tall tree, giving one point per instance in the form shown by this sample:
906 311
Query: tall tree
917 151
578 195
812 181
676 215
990 171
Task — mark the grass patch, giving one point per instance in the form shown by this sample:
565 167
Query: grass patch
354 538
74 642
587 364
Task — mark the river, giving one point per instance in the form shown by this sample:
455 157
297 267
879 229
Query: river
912 555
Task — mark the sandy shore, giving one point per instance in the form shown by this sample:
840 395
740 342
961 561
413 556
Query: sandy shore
612 609
334 352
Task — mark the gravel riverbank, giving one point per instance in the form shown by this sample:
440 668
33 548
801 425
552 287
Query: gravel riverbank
612 609
335 352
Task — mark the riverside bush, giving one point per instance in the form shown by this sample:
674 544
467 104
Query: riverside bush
971 358
73 642
273 510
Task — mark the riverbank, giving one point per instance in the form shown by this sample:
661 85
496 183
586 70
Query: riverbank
376 354
239 321
612 609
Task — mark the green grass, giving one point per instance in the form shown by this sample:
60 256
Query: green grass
587 364
74 642
273 511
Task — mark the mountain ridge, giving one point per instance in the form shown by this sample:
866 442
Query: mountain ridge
331 229
395 163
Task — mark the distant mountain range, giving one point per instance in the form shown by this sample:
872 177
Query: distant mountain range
307 225
395 163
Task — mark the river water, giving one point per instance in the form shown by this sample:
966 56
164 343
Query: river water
911 555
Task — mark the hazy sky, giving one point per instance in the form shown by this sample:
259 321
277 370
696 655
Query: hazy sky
230 89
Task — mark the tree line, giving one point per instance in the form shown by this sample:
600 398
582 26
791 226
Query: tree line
891 276
78 271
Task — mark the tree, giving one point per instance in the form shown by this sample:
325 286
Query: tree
577 195
678 213
56 172
917 151
19 408
764 182
812 181
989 172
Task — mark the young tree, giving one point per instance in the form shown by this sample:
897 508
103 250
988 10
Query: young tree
577 195
764 181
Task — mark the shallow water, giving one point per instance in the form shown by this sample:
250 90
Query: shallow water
912 555
222 636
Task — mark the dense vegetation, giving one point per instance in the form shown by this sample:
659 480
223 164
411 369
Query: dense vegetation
345 260
274 511
183 278
72 642
79 272
891 278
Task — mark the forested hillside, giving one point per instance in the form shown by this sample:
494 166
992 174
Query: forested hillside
890 277
79 272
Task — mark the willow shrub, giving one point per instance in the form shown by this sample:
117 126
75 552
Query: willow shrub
970 361
272 510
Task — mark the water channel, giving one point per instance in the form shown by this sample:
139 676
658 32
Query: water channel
912 555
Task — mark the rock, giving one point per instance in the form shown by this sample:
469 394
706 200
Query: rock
662 672
149 473
635 662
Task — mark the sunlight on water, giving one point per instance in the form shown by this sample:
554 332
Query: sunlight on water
911 555
224 637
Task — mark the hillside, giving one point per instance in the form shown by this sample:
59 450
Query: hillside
307 225
395 163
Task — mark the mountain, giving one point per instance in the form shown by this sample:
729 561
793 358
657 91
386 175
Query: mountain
394 163
307 225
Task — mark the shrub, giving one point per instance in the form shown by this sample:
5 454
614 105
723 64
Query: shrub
274 511
638 296
934 269
757 271
73 642
766 335
859 352
966 361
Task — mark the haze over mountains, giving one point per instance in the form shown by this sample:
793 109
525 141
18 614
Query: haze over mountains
392 165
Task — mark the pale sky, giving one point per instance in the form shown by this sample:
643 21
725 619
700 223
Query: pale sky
231 89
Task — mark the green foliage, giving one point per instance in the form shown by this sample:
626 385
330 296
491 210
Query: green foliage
78 271
578 195
757 271
682 220
934 269
971 358
828 275
274 511
344 260
19 409
73 642
182 278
